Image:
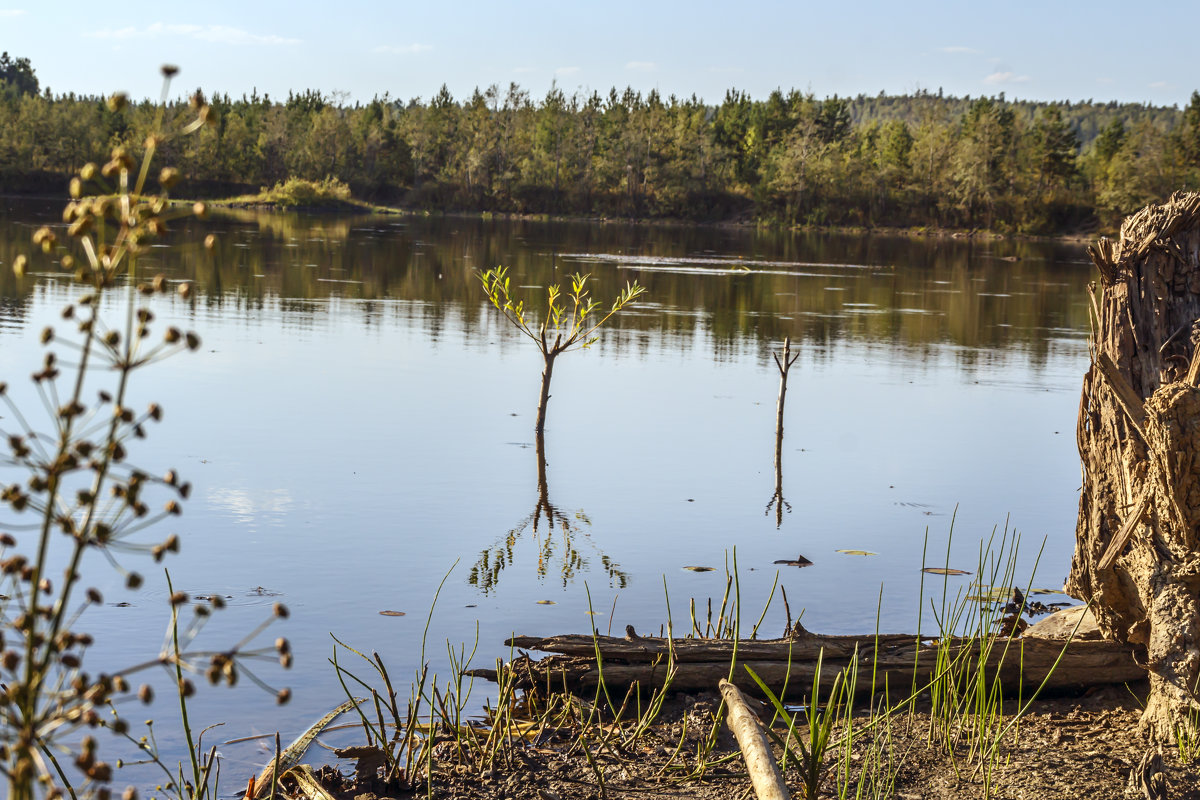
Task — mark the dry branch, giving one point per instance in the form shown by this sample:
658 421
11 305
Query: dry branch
764 772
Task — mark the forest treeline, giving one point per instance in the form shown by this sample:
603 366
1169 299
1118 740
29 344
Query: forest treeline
922 160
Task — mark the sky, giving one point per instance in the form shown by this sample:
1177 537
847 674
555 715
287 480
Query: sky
354 50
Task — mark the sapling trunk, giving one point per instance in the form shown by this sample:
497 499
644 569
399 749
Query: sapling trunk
544 398
784 364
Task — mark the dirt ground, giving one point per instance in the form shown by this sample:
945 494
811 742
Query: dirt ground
1066 747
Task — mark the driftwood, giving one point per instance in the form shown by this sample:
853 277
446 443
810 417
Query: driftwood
1137 552
760 763
900 659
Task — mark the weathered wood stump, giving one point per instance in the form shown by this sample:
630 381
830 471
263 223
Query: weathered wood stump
1137 553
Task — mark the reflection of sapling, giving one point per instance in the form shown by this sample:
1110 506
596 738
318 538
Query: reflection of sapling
76 481
562 328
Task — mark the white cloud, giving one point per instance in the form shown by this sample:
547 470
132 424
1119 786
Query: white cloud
404 49
566 70
523 70
1157 85
219 34
958 48
11 12
641 66
998 78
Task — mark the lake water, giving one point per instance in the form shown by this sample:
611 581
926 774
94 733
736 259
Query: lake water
358 423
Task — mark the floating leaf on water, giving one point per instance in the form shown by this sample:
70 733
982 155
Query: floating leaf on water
392 613
546 603
699 569
592 613
857 552
945 571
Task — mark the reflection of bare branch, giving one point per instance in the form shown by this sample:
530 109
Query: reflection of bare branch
785 365
551 548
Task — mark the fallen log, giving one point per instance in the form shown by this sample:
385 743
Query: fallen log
900 660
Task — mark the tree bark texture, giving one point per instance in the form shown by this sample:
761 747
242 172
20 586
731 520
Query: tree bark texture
1137 550
539 426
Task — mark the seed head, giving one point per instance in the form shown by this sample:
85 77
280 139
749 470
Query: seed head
280 610
283 696
118 102
168 71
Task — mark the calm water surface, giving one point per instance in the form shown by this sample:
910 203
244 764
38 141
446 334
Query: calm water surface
358 424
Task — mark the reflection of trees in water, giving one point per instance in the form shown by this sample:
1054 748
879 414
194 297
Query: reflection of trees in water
785 365
908 298
555 533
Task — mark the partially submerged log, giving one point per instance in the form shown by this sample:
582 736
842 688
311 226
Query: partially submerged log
1137 553
902 660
